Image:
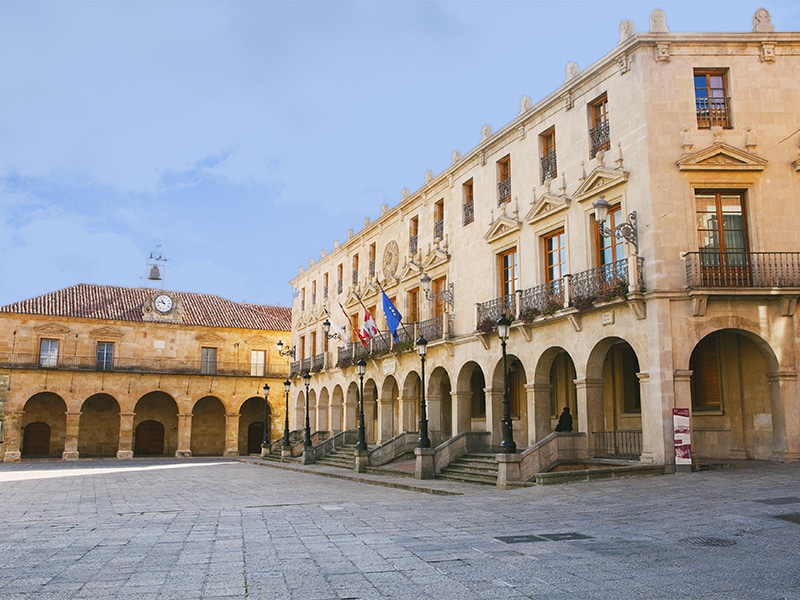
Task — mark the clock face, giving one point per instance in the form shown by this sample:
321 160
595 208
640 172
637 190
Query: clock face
390 257
163 303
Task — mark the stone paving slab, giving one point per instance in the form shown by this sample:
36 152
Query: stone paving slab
231 529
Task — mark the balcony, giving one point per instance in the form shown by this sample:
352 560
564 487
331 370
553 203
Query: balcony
166 366
469 212
600 138
503 191
549 166
713 269
713 112
438 229
412 244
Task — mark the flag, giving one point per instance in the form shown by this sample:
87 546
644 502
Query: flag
393 316
370 330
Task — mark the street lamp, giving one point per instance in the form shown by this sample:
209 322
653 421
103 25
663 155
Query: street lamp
307 438
445 295
508 445
286 385
361 366
288 352
265 440
624 231
424 440
326 327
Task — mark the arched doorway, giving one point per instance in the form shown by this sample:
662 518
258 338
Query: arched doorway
99 427
440 406
149 439
208 427
36 440
554 389
731 404
471 399
251 425
388 410
517 402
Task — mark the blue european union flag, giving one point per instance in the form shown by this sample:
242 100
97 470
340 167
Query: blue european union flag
393 316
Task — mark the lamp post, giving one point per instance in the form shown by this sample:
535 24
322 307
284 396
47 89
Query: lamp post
307 438
424 440
286 385
624 231
361 365
265 439
508 445
445 295
326 327
288 352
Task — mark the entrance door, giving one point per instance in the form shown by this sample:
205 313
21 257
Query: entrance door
149 439
36 440
255 435
722 232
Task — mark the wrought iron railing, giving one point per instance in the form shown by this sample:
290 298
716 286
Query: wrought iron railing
543 299
317 363
621 445
602 283
503 191
600 137
742 269
355 276
713 112
432 329
17 360
372 268
494 309
549 166
339 286
412 244
438 229
469 212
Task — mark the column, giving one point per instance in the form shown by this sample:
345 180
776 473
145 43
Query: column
462 411
184 449
13 437
785 400
385 419
494 415
408 413
433 405
539 421
125 447
589 396
71 436
232 434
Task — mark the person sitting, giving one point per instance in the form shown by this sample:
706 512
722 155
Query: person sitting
564 421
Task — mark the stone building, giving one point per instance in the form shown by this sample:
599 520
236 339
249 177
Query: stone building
682 303
94 370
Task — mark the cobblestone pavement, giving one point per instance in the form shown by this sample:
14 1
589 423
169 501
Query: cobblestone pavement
223 528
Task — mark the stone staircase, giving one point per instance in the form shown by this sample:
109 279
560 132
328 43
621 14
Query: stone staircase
342 457
472 468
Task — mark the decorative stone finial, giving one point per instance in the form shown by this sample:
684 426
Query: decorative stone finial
524 104
658 22
626 31
572 70
762 23
486 131
405 193
428 176
456 156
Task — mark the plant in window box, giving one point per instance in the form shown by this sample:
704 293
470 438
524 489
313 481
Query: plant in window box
401 347
486 325
529 313
582 303
551 307
316 368
294 374
345 361
618 288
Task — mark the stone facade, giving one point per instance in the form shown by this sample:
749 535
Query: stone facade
688 301
100 371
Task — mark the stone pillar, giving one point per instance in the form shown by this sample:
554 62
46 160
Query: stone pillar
462 411
425 467
13 437
184 449
361 461
125 445
589 397
494 415
232 434
71 436
785 400
385 419
682 383
508 469
434 411
408 413
539 421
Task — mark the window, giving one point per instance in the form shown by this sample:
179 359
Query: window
339 273
313 293
303 299
48 353
105 356
722 237
413 305
302 347
258 361
547 143
355 270
354 327
503 180
325 286
711 98
438 220
555 255
208 361
372 260
438 286
599 132
508 272
413 235
469 202
609 248
313 349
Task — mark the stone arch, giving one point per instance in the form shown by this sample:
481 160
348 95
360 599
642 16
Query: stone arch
156 407
337 418
470 399
208 427
388 410
323 410
553 389
251 425
98 435
410 402
518 405
371 410
351 407
440 406
45 408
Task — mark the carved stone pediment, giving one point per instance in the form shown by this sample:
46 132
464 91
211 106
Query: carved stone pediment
210 338
106 332
501 227
548 204
599 181
258 340
411 270
434 259
721 157
52 328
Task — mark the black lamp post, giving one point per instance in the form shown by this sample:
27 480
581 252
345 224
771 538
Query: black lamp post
361 365
624 231
326 327
265 440
286 385
424 440
508 445
307 439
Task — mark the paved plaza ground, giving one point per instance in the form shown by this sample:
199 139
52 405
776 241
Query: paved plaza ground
224 528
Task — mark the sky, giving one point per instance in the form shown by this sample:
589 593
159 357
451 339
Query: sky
239 139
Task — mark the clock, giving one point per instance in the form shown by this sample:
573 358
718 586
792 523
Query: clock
390 257
163 303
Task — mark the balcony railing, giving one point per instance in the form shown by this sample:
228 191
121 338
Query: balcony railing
621 445
469 212
549 166
600 137
438 230
372 268
742 269
503 191
713 112
317 362
499 307
166 366
412 244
